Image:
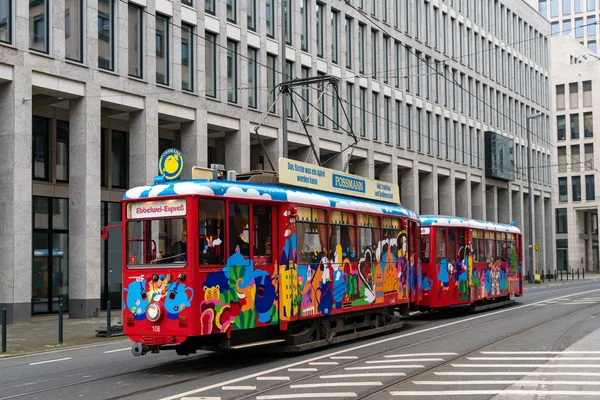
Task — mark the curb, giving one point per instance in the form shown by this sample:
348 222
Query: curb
61 348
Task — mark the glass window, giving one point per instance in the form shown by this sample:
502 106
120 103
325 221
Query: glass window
562 189
162 50
375 116
289 108
592 45
561 220
156 241
555 28
252 15
363 112
560 97
320 12
591 26
270 11
62 151
335 17
386 59
187 57
562 159
135 46
588 124
578 6
574 126
361 48
106 34
289 16
41 131
349 42
305 22
578 27
425 248
311 234
589 156
239 229
567 28
440 244
561 127
566 7
587 93
590 190
554 8
573 95
575 161
211 232
543 7
232 71
73 30
232 11
343 233
119 159
6 23
39 17
263 237
272 81
210 64
209 6
252 78
576 186
190 2
591 5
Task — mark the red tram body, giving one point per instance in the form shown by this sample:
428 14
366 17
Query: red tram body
467 261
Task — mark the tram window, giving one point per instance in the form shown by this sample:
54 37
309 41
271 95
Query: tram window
425 244
440 244
263 239
345 237
512 246
311 241
211 216
501 251
475 235
157 241
391 230
490 252
460 238
239 229
452 235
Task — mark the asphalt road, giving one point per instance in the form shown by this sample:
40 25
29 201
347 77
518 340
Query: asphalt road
546 345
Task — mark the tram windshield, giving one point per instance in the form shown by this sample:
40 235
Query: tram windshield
159 241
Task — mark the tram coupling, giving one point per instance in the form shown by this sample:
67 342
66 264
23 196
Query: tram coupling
140 349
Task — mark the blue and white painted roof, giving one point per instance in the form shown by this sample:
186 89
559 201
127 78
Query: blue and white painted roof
268 192
443 220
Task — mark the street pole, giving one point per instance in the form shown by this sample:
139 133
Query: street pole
284 133
530 230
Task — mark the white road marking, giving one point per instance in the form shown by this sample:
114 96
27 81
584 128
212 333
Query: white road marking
344 358
382 367
518 373
115 351
363 375
272 378
404 360
51 361
526 365
305 395
334 384
419 355
498 392
302 369
539 352
393 338
239 388
510 382
533 358
201 398
323 363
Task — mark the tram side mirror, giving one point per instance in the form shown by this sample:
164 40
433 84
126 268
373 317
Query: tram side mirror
104 234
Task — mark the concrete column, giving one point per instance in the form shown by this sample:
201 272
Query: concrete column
84 205
366 168
15 200
550 237
122 43
491 204
462 196
477 203
237 149
143 144
517 209
435 192
389 172
446 200
301 154
504 206
426 193
194 143
539 232
409 187
57 49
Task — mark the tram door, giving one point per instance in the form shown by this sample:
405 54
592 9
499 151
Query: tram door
415 260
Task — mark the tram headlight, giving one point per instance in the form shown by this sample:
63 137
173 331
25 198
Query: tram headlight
153 312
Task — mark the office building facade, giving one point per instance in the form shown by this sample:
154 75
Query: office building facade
575 18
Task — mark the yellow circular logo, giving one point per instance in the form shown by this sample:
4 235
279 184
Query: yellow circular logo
170 164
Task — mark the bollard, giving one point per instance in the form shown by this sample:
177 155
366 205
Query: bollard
561 271
108 319
4 330
577 273
583 274
60 323
555 275
567 274
572 274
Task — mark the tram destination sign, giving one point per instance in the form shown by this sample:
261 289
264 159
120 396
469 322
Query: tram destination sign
156 209
298 173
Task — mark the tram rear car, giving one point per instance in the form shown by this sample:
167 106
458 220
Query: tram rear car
468 262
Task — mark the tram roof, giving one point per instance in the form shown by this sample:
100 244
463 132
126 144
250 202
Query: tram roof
231 189
443 220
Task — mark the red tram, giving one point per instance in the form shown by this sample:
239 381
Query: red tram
231 264
467 261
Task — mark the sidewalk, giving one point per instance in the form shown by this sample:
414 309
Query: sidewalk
41 333
589 277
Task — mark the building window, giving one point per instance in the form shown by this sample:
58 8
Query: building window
562 190
335 17
590 190
562 158
561 220
73 30
270 11
388 120
398 124
232 11
574 126
232 71
361 48
576 186
588 125
114 156
190 2
210 64
591 5
363 112
320 26
591 26
409 131
162 50
62 151
187 57
305 22
106 34
289 17
573 95
543 7
592 45
575 160
561 127
320 90
350 110
134 48
50 264
252 15
579 6
374 35
41 138
111 277
252 78
375 116
6 23
272 81
349 42
209 6
289 75
555 28
386 59
589 156
39 32
578 27
587 93
560 97
306 105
